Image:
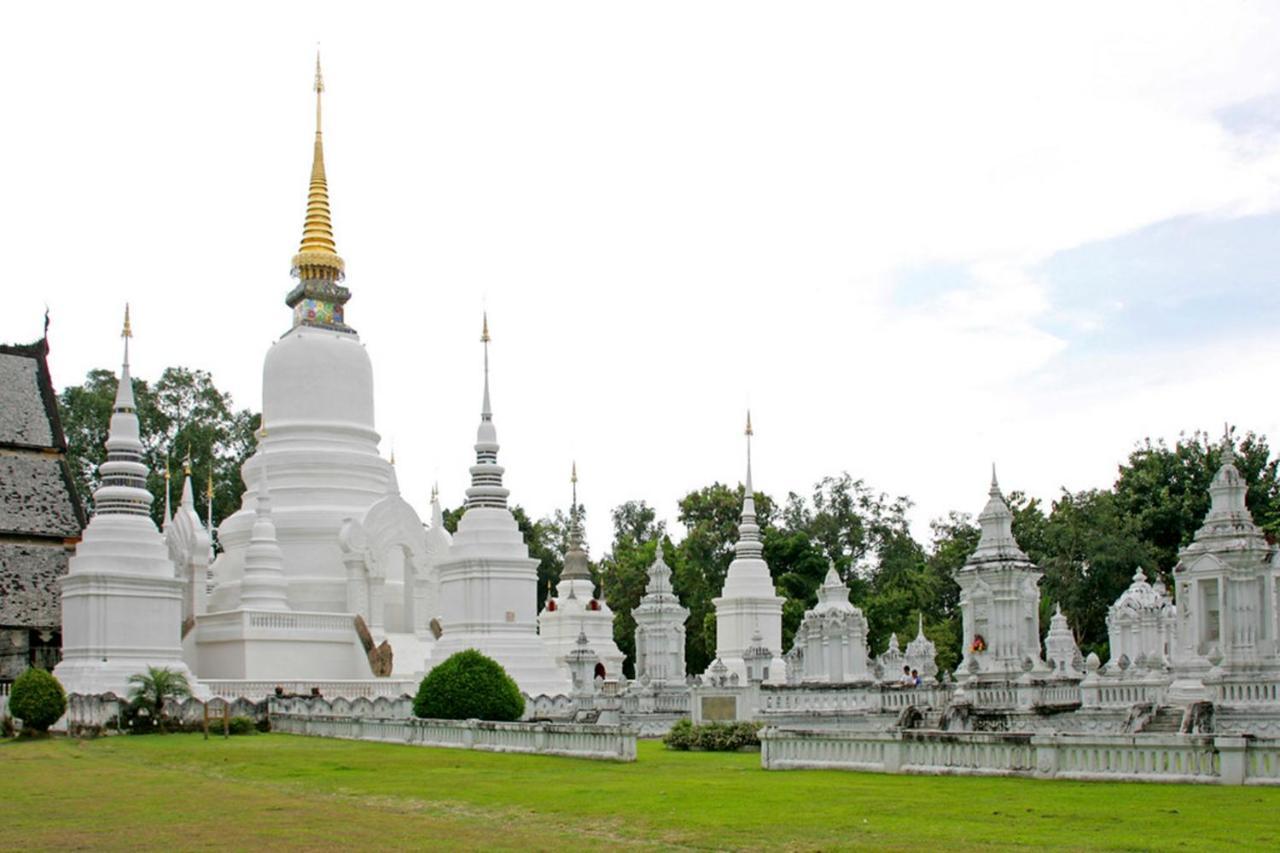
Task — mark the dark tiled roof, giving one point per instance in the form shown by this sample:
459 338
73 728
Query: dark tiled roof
22 414
35 496
29 575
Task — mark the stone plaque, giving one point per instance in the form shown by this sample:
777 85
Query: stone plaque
719 709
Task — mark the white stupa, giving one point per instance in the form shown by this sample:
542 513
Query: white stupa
999 599
660 631
749 603
189 548
575 608
288 550
488 581
121 600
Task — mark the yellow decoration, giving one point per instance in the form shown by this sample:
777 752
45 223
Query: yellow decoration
317 256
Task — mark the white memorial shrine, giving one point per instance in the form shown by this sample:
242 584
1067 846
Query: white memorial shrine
122 600
749 603
575 608
660 631
831 642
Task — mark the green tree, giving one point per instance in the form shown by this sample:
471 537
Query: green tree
153 688
1166 490
37 698
183 413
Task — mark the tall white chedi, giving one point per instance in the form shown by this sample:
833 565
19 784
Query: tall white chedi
660 632
575 608
999 599
121 598
322 448
1226 580
749 603
488 581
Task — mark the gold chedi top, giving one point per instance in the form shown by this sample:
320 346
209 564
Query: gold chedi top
318 298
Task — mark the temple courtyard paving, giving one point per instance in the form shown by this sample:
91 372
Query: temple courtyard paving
282 791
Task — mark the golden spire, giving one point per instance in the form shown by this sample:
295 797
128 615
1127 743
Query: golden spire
186 464
208 485
317 257
127 332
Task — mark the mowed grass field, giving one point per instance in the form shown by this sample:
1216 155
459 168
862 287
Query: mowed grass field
291 792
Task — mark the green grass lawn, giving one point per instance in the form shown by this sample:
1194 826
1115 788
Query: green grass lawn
182 792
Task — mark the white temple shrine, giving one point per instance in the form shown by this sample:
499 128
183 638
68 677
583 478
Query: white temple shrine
575 609
1142 625
1000 599
660 631
488 581
749 603
831 643
122 601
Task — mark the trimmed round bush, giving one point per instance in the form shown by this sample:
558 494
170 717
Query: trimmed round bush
37 699
469 686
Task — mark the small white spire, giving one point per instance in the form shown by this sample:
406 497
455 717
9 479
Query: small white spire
486 410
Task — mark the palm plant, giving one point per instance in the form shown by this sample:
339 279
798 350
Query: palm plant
152 688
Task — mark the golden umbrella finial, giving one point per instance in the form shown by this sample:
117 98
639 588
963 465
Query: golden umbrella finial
128 329
484 331
317 257
186 464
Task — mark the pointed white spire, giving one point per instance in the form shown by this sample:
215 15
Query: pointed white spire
123 489
996 521
263 586
833 594
486 475
749 544
576 566
659 574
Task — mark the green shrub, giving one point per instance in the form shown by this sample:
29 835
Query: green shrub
713 737
241 726
467 686
680 736
37 699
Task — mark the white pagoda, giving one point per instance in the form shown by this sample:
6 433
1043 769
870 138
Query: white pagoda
749 603
575 609
289 584
488 581
832 638
121 599
1226 581
999 599
660 631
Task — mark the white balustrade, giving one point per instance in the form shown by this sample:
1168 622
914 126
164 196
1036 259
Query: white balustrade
1150 758
229 688
613 743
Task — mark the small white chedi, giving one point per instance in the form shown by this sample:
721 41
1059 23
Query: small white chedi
1000 599
121 599
831 643
749 603
488 581
660 631
1141 625
575 609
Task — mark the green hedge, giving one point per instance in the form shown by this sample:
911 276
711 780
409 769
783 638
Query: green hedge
37 699
712 737
469 686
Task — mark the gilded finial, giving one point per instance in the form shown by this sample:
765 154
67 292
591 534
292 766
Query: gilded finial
167 473
484 331
208 484
186 464
317 258
127 332
319 76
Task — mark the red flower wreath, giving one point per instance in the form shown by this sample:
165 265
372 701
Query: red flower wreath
978 645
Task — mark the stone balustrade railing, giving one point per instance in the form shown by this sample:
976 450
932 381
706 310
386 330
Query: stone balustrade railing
1151 758
612 743
230 688
1246 693
1100 693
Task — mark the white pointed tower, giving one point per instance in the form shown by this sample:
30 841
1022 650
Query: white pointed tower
832 638
121 599
999 599
749 601
488 581
575 608
660 632
317 397
1226 586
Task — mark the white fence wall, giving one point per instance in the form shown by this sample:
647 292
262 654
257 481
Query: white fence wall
1149 758
370 688
613 743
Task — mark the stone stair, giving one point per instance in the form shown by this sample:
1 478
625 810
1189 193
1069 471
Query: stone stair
1165 721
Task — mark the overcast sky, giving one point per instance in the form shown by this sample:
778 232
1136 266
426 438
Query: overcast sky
915 239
